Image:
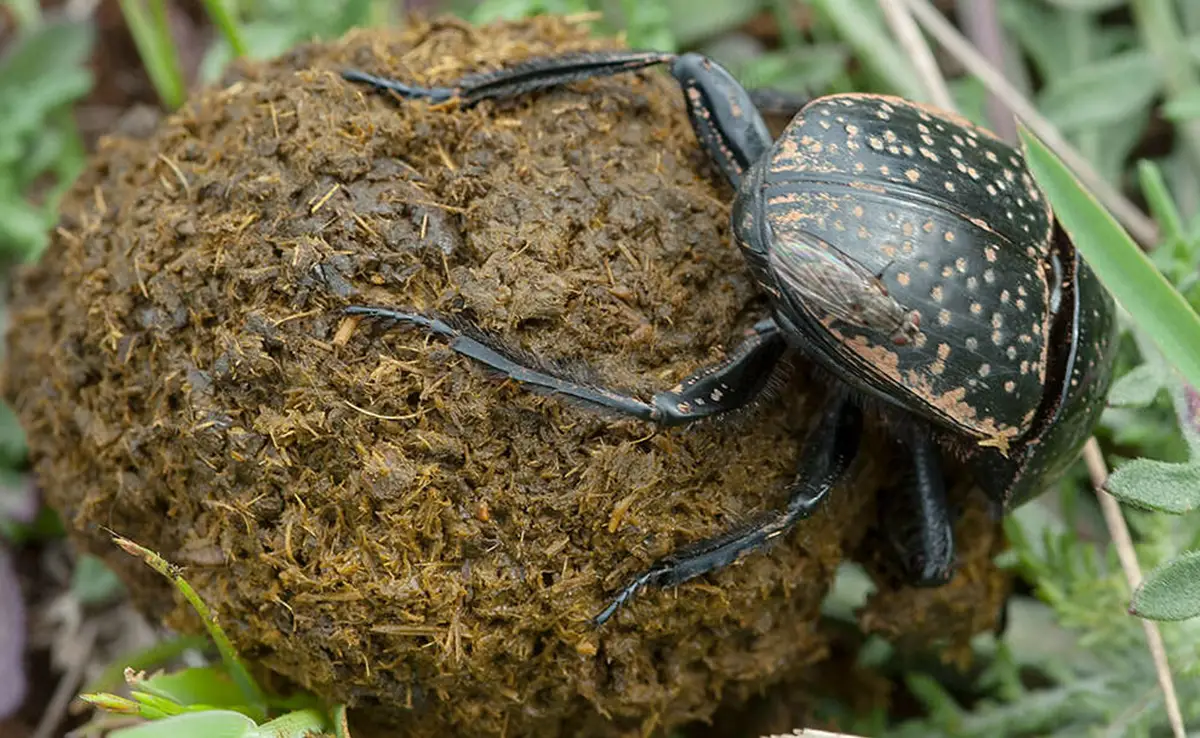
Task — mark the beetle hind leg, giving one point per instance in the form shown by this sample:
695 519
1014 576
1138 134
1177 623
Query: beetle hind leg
917 518
830 449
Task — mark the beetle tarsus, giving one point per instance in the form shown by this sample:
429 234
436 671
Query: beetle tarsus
831 449
401 89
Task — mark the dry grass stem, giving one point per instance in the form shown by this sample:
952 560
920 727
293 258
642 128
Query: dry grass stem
1133 574
910 38
1141 227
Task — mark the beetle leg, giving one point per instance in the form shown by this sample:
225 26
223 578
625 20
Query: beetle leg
722 113
831 448
522 78
918 520
729 385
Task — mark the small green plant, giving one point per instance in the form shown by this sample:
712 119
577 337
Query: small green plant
220 700
42 75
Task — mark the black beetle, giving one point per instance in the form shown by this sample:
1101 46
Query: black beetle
908 253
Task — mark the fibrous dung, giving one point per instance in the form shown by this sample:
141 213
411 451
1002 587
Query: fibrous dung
368 513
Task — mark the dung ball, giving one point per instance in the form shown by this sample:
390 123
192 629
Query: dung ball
369 514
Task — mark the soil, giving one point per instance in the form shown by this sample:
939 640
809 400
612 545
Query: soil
369 514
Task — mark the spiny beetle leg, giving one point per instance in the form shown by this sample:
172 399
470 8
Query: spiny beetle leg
830 450
729 384
522 78
919 521
723 116
722 113
726 386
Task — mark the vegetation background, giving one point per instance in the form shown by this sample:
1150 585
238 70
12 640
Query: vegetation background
1116 81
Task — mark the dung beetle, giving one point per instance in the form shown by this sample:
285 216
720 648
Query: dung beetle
905 252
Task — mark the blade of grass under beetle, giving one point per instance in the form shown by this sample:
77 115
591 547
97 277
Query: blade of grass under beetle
1127 273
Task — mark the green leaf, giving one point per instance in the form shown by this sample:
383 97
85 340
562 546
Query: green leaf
1040 31
1091 6
156 49
692 22
224 20
112 703
210 724
1115 142
12 438
23 230
795 70
26 12
252 693
970 99
1139 387
299 723
1131 278
354 14
40 56
1102 92
265 39
156 654
1157 485
209 686
154 707
1170 592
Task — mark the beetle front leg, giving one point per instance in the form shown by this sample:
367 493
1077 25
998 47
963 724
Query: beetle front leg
919 522
830 449
728 385
721 111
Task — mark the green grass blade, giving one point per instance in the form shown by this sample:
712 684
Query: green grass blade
220 16
157 51
1127 273
237 670
1158 198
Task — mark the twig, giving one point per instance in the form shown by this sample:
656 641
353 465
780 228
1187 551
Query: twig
1141 227
1091 451
913 43
1133 575
981 24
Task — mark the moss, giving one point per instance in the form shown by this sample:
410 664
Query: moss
371 516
